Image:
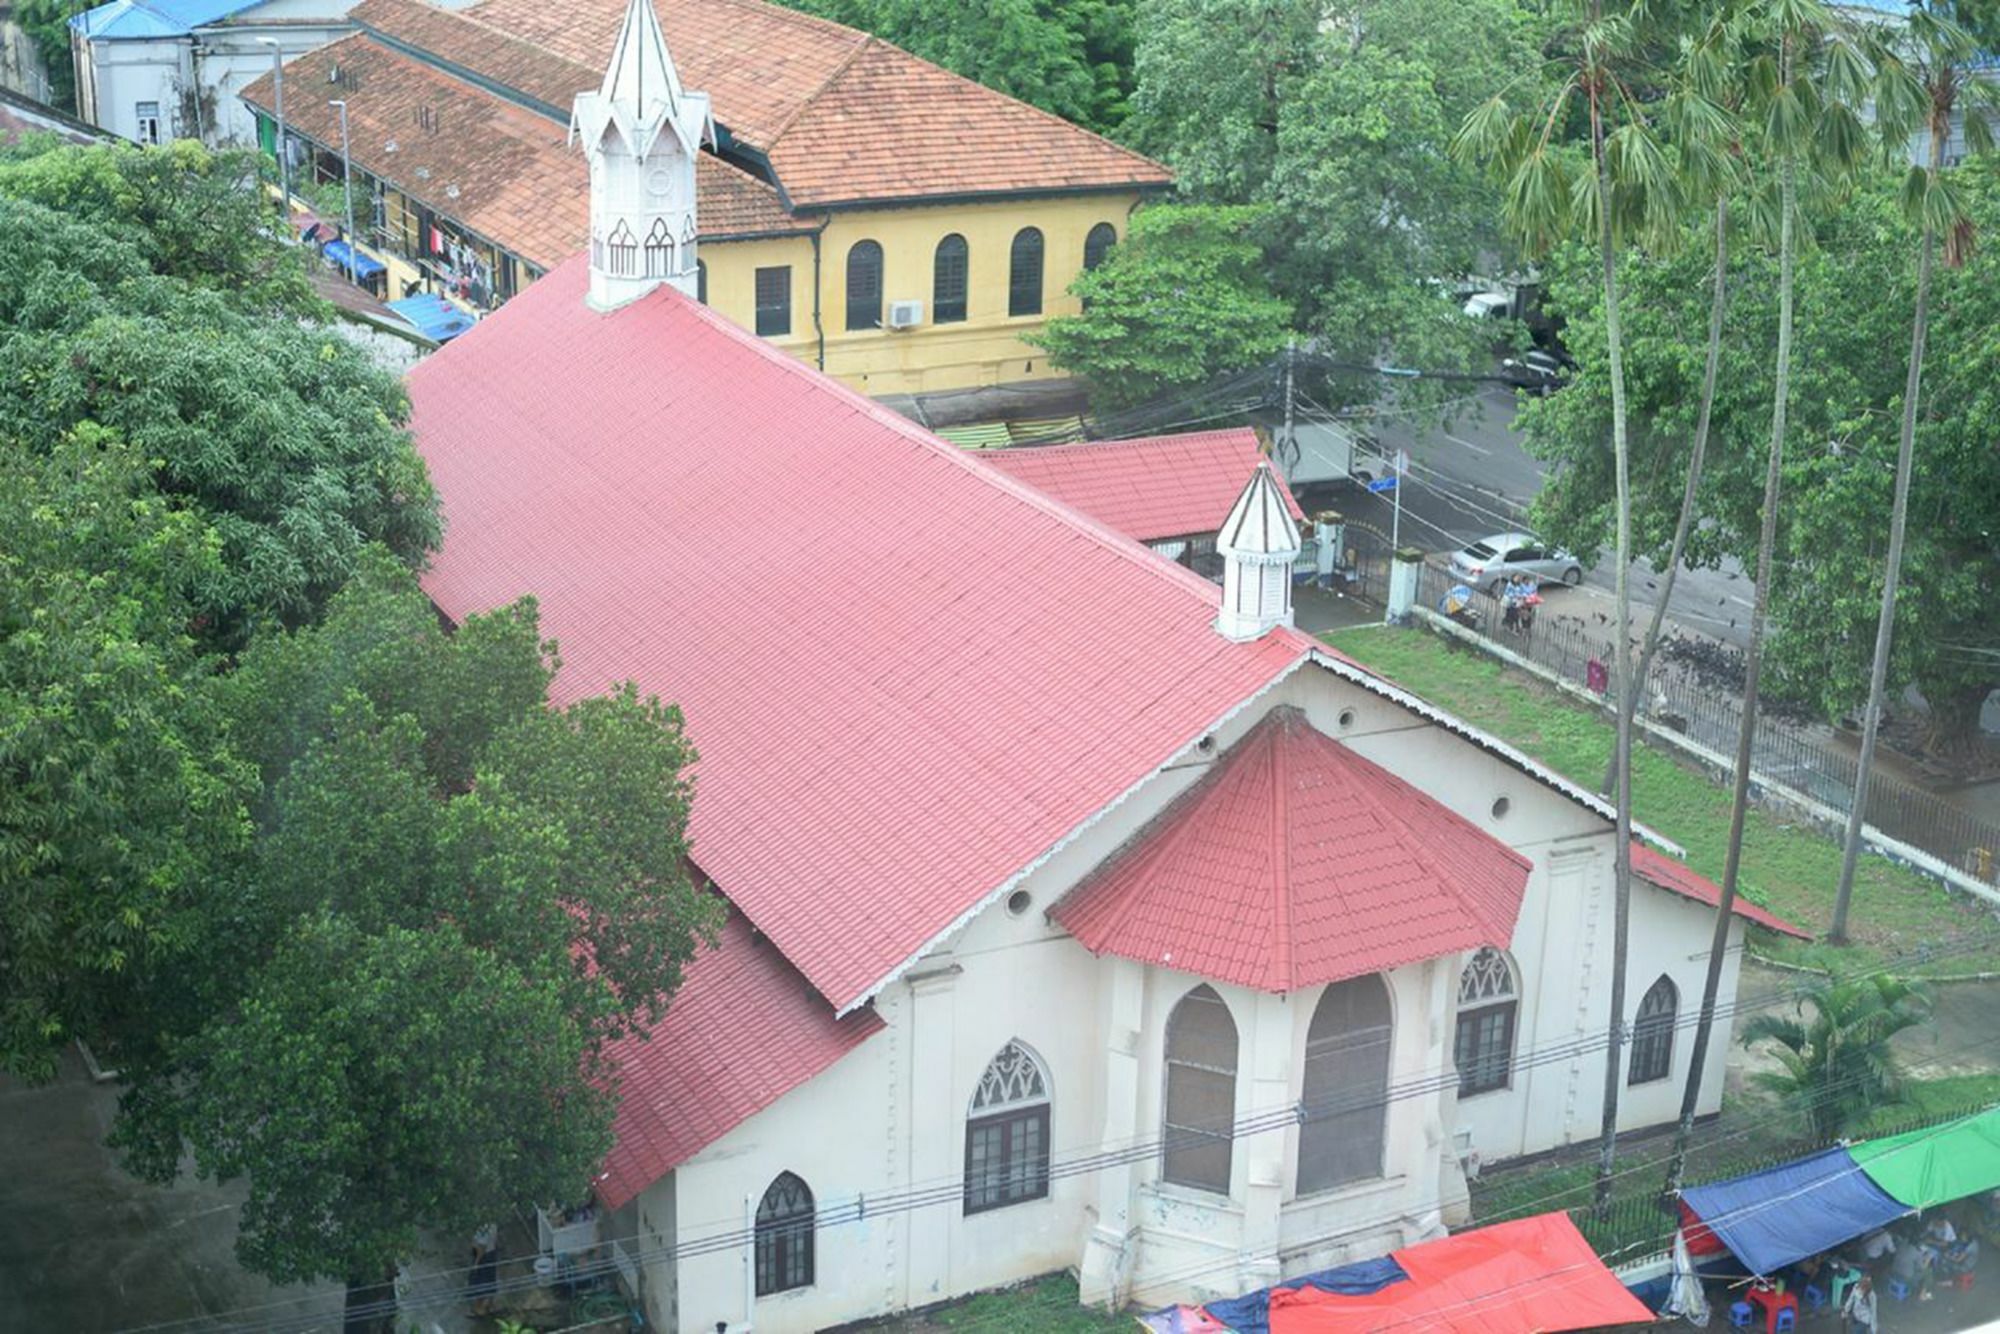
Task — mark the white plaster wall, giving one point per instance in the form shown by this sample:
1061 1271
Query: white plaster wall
229 59
888 1120
124 74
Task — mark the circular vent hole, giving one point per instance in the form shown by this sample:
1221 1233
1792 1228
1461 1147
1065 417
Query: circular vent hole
1501 806
1346 718
1019 902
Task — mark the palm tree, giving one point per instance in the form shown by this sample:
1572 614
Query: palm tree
1836 1062
1926 68
1806 84
1631 191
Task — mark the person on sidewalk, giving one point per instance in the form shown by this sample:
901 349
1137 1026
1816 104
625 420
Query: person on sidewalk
485 1286
1857 1313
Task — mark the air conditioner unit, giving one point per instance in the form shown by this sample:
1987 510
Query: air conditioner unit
905 314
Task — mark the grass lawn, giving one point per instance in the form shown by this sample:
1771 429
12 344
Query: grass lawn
1897 916
1047 1304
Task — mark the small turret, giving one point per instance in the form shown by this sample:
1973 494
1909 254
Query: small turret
1259 544
642 133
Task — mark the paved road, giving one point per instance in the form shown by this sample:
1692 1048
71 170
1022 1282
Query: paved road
1472 479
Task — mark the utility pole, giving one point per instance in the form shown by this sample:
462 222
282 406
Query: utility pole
278 105
1291 360
346 186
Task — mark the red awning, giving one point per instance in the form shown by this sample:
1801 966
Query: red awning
1537 1274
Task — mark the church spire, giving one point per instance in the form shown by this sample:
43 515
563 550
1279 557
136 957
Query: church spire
642 133
1259 544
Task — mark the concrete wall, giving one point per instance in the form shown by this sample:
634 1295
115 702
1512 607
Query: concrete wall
888 1122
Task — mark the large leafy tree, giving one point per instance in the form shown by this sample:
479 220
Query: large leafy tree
1071 57
1180 300
116 793
457 895
1338 119
282 436
191 214
1854 295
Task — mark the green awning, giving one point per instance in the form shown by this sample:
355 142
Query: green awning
1924 1168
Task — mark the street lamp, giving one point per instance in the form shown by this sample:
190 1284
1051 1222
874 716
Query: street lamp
346 186
278 104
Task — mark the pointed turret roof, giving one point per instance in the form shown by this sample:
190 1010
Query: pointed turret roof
1260 522
642 71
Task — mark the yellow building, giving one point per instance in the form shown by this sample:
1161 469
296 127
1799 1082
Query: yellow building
887 221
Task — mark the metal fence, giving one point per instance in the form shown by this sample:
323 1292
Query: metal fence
1683 694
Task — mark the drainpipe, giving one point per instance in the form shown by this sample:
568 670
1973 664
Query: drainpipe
819 328
750 1205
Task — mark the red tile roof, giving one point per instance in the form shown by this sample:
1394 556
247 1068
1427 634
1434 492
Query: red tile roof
743 1030
842 117
892 659
519 184
1157 487
1296 862
1656 868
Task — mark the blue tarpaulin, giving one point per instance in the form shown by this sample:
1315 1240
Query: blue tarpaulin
1251 1313
364 267
433 317
1771 1218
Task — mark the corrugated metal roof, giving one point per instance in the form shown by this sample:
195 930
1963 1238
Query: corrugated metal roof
1296 862
140 20
1656 868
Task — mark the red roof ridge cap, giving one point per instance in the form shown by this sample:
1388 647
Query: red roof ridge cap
470 19
1127 442
1283 720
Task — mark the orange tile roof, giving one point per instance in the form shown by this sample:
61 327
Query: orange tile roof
518 184
842 117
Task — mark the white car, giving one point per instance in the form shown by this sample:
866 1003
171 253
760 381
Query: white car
1490 562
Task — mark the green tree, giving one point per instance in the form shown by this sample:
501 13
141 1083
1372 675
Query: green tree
283 436
1181 300
1941 60
47 22
1339 120
1070 57
1631 190
373 1086
420 801
115 791
193 214
1836 1062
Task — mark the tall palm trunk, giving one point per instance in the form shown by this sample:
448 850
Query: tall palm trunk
1746 735
1878 676
1650 646
1621 664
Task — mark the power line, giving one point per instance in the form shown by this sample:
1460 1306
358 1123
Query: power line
946 1190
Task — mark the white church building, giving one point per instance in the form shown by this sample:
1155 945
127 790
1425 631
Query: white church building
1084 915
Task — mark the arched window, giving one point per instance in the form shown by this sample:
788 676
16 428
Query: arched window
1097 245
785 1236
1345 1091
864 286
948 279
624 251
701 281
1024 273
1200 1120
659 250
1653 1033
1007 1133
1487 1002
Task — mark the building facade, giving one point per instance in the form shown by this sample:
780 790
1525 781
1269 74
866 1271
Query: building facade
889 223
1082 914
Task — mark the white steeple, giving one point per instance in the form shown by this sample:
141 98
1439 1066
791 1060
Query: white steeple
1258 544
642 133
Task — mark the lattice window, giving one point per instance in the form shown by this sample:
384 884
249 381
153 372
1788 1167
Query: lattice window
785 1236
1024 273
1007 1135
864 286
1483 1046
1653 1033
1011 1077
659 250
948 280
1487 977
1097 245
1344 1094
624 252
1199 1128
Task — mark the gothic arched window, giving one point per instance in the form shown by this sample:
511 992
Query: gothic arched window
864 286
948 280
1344 1095
1199 1127
1653 1033
659 250
785 1236
1024 273
1487 1003
1097 245
1007 1133
624 252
